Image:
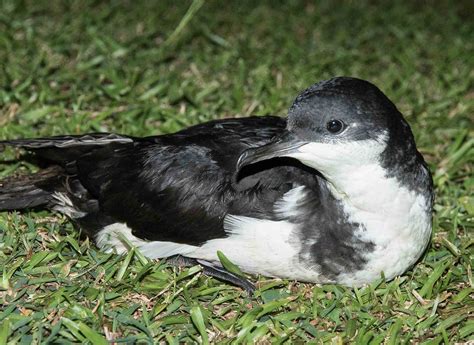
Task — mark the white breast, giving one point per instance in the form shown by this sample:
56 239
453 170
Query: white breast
394 218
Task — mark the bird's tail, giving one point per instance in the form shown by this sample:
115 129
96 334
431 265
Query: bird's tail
29 191
36 190
66 148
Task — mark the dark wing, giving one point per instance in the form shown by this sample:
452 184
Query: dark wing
179 187
175 187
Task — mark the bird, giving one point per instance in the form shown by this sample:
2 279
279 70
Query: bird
335 192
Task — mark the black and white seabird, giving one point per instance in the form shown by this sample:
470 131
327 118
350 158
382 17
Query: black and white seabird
337 192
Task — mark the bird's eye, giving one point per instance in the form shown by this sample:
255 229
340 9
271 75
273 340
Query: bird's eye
335 126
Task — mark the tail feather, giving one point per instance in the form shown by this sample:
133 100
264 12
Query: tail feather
66 148
66 141
29 191
37 190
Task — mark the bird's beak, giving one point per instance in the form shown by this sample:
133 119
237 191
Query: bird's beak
283 146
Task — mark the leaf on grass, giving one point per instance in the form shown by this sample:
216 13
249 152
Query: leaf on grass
4 331
449 322
76 326
198 321
426 290
38 114
229 265
192 10
125 265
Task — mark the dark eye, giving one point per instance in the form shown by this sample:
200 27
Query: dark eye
335 126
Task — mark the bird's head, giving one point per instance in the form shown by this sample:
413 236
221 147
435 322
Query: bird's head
339 124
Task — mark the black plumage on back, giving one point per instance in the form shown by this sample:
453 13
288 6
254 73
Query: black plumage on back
175 187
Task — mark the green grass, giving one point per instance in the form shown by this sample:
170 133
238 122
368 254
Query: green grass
149 68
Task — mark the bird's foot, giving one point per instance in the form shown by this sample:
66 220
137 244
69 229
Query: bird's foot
211 270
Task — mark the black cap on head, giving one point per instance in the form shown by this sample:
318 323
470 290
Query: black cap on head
362 110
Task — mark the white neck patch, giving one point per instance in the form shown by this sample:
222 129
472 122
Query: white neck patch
334 159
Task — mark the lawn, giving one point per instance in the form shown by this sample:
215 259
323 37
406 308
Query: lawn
145 67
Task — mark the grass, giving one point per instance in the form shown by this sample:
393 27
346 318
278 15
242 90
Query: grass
144 68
